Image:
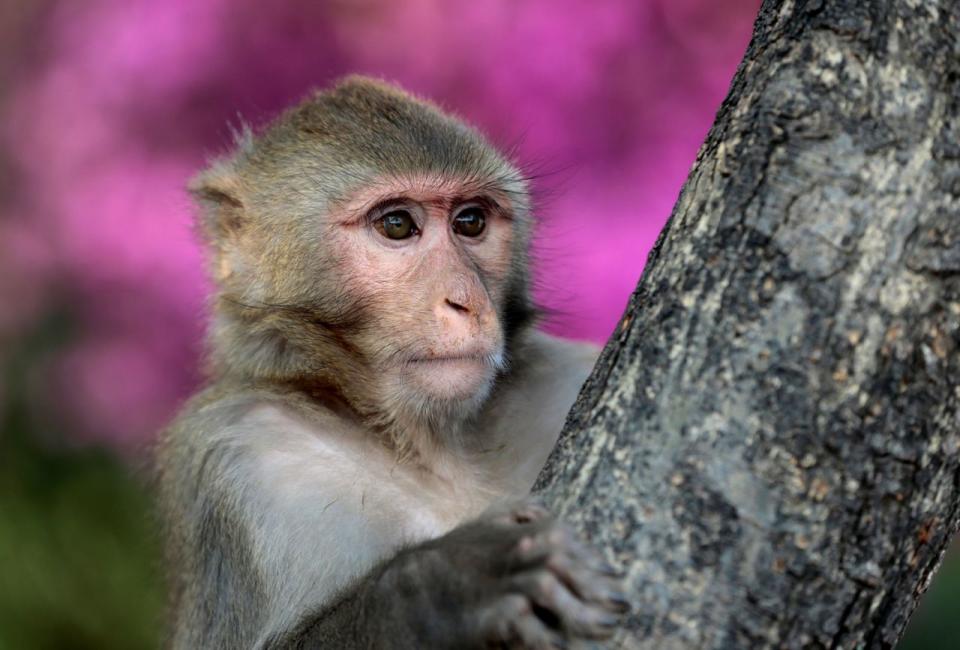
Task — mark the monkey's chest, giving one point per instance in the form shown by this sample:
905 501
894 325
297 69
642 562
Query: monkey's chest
349 493
412 510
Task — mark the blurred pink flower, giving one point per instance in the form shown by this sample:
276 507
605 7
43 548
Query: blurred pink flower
26 267
608 102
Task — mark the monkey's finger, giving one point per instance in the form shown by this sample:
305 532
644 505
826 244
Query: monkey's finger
587 584
588 556
533 634
535 547
560 545
529 552
530 510
511 620
575 616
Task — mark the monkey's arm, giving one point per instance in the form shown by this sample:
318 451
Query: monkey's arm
512 576
276 548
259 527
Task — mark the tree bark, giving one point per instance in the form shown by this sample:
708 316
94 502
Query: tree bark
769 442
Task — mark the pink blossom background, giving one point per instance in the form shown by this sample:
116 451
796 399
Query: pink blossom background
109 106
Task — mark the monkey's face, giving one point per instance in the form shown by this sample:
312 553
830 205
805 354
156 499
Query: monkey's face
430 259
369 244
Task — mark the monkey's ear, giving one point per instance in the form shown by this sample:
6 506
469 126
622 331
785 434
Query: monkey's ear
217 193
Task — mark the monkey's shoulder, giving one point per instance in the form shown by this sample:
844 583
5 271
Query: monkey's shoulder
546 356
528 409
294 478
302 452
257 415
548 372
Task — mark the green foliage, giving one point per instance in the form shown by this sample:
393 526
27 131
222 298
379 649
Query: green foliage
79 558
78 564
935 625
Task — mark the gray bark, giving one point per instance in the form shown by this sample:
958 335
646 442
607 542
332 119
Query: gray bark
769 442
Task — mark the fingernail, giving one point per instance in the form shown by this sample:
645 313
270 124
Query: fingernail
609 621
619 601
611 570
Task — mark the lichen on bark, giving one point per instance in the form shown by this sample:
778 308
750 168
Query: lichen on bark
769 442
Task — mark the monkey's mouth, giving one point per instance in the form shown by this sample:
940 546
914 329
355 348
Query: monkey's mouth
477 358
455 376
492 359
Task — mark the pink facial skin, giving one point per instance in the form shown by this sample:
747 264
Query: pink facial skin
443 285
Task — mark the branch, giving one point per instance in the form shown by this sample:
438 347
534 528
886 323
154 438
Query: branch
769 442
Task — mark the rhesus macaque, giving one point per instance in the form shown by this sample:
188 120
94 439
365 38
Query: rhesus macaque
356 474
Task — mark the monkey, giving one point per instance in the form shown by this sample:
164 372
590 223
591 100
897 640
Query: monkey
356 472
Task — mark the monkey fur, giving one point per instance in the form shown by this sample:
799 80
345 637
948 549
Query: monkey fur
356 472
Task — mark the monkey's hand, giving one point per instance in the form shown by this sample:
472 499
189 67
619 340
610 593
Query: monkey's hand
514 577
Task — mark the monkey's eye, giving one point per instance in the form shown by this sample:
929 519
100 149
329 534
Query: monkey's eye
397 224
470 222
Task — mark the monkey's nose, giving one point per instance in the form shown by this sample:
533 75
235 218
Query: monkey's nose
458 317
457 307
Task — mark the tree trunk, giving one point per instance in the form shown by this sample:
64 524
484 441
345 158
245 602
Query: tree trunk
769 442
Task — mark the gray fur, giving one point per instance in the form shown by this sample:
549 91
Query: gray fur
303 507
